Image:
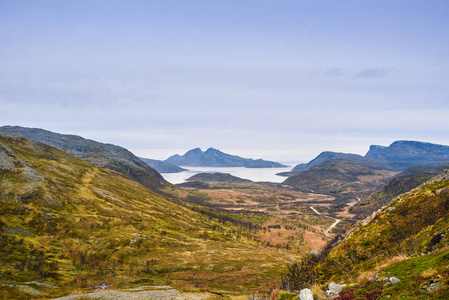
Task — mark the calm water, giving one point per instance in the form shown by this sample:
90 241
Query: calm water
254 174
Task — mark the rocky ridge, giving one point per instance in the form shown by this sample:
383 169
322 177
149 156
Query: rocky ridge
99 154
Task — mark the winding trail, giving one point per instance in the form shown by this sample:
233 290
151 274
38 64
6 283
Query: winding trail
326 233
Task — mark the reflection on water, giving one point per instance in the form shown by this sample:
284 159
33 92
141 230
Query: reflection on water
254 174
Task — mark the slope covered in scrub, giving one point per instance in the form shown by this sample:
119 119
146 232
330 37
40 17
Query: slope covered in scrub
71 225
407 239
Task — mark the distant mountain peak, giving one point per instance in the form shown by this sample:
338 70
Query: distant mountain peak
400 155
215 158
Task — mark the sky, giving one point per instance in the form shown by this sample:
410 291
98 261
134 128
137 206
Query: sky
276 79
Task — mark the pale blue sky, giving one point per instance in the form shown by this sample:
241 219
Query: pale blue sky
280 80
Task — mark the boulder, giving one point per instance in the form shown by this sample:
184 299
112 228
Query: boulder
305 294
394 280
335 287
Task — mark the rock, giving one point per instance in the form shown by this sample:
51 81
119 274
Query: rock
371 279
394 280
434 241
315 252
29 290
386 279
433 287
305 294
102 287
335 287
40 284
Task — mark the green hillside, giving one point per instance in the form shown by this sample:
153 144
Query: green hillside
407 240
399 184
71 225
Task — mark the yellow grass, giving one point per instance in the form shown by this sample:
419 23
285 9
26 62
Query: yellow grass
380 266
429 273
317 291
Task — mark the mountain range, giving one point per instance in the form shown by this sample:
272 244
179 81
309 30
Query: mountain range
399 156
215 158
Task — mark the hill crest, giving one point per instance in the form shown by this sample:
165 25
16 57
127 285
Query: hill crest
99 154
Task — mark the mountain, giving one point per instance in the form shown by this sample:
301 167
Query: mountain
322 157
340 176
67 226
215 158
162 167
400 251
217 177
399 156
101 155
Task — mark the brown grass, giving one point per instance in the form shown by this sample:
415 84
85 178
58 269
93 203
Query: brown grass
274 294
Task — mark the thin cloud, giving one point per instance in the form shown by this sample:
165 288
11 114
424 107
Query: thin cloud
372 73
335 72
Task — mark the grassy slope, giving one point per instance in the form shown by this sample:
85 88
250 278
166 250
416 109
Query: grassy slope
390 243
399 184
69 223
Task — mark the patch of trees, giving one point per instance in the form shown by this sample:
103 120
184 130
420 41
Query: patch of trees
24 258
305 273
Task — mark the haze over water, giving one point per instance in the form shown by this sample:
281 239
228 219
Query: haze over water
253 174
